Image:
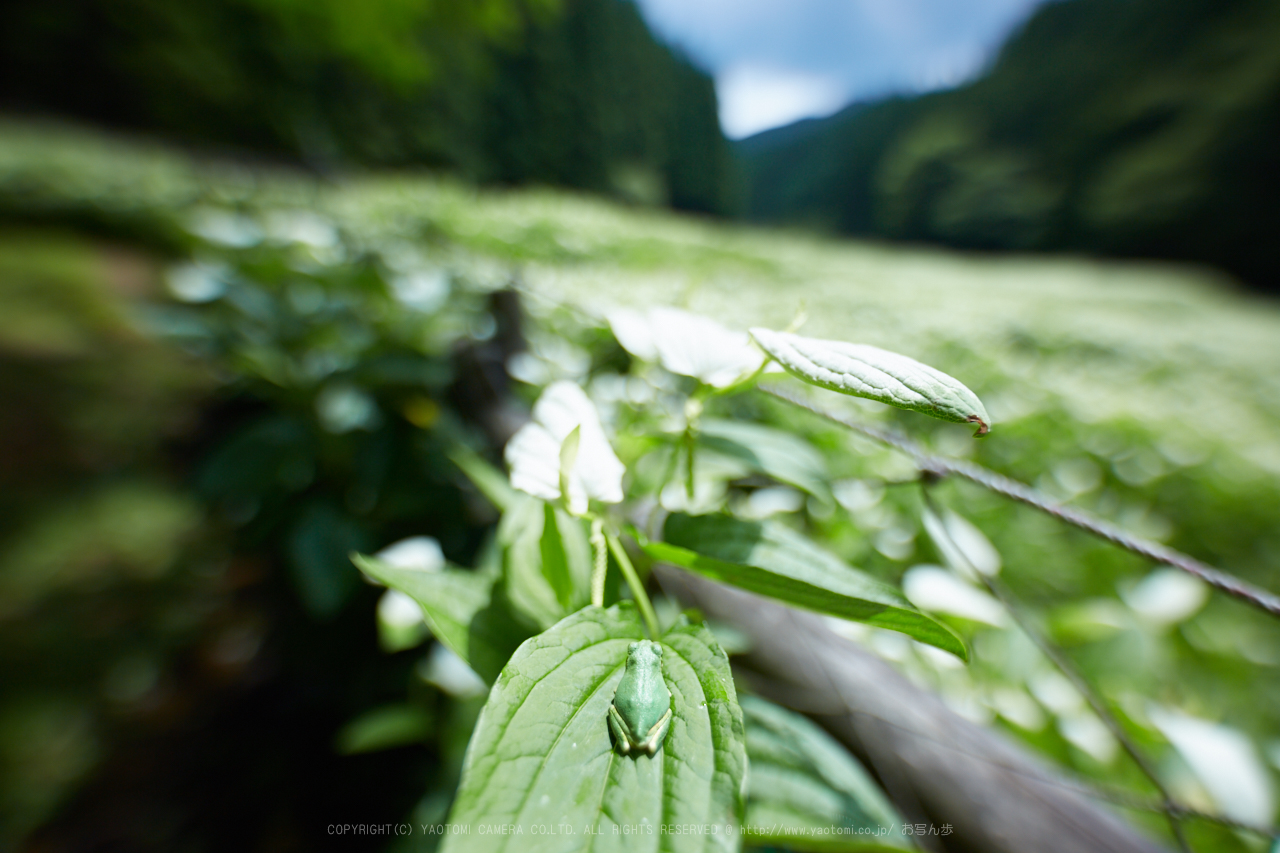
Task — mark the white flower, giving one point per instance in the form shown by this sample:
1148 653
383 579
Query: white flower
687 344
533 453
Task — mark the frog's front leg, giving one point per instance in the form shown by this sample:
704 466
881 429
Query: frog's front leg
621 734
655 736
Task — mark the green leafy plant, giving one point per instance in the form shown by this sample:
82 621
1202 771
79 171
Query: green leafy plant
333 318
542 761
553 758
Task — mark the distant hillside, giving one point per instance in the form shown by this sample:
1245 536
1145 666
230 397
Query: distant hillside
1127 127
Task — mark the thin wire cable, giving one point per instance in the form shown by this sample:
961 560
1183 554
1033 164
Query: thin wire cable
1172 809
943 466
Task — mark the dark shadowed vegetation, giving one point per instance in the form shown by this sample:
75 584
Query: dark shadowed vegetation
574 93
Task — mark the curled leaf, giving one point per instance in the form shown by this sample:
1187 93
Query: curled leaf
867 371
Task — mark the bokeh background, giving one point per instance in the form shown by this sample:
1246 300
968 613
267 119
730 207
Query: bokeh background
265 265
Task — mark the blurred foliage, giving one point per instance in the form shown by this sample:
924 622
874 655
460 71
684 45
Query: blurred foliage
569 92
1143 128
225 377
194 441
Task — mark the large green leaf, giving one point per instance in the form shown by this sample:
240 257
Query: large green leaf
779 454
773 560
807 792
547 560
462 609
542 768
867 371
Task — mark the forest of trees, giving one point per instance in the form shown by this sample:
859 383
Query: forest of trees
1139 128
574 93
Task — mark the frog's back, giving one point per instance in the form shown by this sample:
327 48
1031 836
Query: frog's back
643 695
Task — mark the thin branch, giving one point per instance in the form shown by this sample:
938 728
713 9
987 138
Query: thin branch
944 466
1172 809
1138 802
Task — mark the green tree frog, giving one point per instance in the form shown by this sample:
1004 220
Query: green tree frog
641 711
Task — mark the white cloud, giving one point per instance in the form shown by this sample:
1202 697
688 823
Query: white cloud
777 62
755 98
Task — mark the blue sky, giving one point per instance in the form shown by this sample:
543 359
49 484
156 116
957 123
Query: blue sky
777 61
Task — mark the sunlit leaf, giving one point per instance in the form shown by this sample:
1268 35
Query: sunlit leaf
771 559
936 590
686 343
542 762
451 673
419 553
1226 763
400 622
867 371
1167 596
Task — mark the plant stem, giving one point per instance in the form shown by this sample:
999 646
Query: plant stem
692 413
600 551
633 581
689 441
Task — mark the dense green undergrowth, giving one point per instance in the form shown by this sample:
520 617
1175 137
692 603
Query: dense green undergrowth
258 373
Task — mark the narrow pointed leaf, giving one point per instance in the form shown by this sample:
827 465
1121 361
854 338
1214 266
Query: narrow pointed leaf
566 557
555 563
877 374
461 609
771 559
520 534
491 482
569 458
806 792
541 761
785 457
547 561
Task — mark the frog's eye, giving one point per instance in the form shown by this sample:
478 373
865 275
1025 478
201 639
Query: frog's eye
657 650
631 649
